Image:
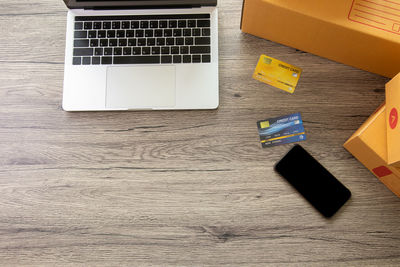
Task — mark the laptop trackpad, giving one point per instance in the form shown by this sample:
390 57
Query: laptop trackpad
140 87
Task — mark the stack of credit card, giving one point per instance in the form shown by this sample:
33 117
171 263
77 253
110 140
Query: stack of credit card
281 130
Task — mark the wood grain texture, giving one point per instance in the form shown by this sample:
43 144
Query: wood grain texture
179 188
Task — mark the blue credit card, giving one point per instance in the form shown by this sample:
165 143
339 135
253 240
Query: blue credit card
281 130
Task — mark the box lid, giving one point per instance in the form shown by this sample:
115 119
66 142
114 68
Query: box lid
392 120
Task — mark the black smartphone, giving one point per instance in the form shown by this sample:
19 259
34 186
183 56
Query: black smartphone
313 181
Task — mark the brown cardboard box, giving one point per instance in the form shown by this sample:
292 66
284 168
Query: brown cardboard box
392 121
361 33
368 144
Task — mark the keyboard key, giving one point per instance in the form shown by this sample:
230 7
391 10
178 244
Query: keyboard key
122 42
95 60
175 50
103 42
163 24
151 42
202 40
141 42
113 42
179 41
80 34
166 59
88 25
131 42
200 50
108 51
181 24
106 25
187 32
130 33
134 24
189 41
146 51
81 43
86 61
177 32
187 59
206 32
94 43
144 24
78 25
117 51
101 34
177 59
206 58
136 51
106 60
172 24
137 60
148 33
155 50
110 34
191 23
158 33
76 61
125 25
139 33
196 32
170 41
121 34
97 25
160 41
116 25
98 51
92 34
184 49
154 24
127 51
196 59
165 50
203 23
167 33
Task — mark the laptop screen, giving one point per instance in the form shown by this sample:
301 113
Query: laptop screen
136 3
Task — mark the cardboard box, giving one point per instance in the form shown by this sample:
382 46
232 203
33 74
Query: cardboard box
361 33
392 120
368 144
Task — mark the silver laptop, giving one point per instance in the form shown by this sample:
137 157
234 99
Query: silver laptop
141 55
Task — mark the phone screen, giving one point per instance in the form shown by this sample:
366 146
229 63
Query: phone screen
313 181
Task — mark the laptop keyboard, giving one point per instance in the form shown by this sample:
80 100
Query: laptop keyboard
149 39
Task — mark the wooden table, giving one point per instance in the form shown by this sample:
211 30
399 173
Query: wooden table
187 188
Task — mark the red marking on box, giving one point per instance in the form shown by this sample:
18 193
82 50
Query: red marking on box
376 14
381 171
393 118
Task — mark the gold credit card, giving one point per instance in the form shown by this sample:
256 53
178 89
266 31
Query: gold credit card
277 73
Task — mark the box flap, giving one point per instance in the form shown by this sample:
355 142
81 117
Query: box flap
392 120
366 124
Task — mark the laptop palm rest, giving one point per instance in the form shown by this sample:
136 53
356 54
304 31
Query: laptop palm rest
141 87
